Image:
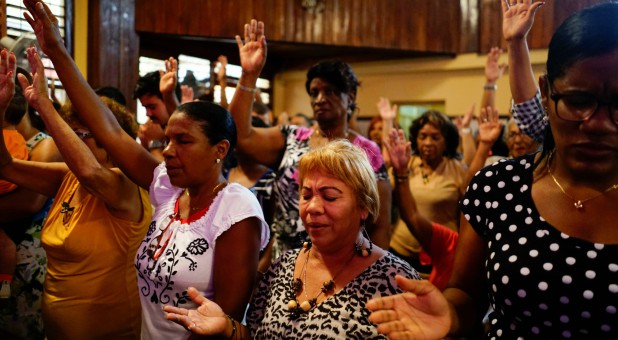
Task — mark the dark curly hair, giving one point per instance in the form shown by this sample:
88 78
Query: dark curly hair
442 123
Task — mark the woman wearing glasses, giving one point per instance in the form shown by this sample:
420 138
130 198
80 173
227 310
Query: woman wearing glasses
539 240
95 225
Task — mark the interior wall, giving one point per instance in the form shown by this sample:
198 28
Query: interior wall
458 82
80 53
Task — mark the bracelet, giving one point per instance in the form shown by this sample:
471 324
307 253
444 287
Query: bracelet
490 87
465 130
247 89
401 179
233 326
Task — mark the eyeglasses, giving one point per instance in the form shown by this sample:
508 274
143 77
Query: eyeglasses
83 134
580 106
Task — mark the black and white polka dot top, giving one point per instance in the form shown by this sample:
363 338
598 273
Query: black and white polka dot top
542 283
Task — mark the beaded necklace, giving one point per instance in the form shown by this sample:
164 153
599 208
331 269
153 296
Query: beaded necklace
299 285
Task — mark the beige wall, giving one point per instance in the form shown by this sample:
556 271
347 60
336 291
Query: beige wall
458 82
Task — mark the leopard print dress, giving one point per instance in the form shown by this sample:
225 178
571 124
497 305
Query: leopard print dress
341 316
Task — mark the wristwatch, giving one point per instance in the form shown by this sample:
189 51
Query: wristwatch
156 144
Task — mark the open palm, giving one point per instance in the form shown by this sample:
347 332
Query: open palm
518 18
253 50
7 77
207 319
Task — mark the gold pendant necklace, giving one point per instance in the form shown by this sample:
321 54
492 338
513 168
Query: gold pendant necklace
578 204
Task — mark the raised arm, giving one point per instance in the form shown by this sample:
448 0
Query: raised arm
43 178
468 144
222 79
527 109
489 132
517 20
263 145
400 151
167 84
388 114
135 161
111 186
493 71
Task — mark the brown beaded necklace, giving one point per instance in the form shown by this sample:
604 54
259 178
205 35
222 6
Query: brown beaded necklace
299 285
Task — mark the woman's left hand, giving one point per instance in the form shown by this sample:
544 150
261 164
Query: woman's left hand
207 319
7 77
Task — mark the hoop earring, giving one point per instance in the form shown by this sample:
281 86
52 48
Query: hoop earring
359 247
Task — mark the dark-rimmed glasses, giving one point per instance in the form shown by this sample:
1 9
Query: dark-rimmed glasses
580 106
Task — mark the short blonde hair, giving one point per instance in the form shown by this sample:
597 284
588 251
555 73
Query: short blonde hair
349 164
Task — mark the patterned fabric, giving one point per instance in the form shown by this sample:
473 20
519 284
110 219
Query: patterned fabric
34 140
287 225
341 316
188 257
529 117
543 283
20 315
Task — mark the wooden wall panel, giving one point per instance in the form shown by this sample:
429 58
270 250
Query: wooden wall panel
113 45
414 25
547 20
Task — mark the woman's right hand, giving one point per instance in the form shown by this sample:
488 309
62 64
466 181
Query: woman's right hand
207 319
36 94
422 312
44 24
518 17
253 50
399 150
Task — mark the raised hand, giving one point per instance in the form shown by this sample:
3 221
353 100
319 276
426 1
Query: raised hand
493 68
186 94
35 93
45 25
222 65
253 50
490 126
150 131
7 77
399 150
207 319
387 112
464 121
169 77
518 17
421 312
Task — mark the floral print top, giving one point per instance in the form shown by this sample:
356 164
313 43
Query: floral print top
187 255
